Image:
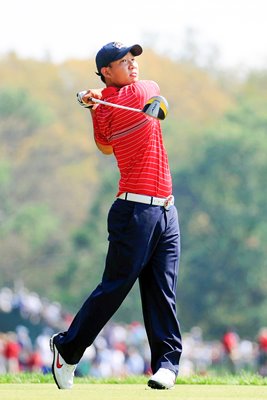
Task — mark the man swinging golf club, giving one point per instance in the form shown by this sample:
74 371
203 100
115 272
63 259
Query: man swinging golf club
144 237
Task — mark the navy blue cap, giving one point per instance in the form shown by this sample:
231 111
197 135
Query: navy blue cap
114 51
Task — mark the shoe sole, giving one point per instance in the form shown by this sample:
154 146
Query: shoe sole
52 348
157 385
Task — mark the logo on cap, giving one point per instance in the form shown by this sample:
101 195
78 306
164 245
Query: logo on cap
118 45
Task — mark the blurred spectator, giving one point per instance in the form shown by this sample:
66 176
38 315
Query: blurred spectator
262 358
42 346
30 305
135 363
35 363
11 353
6 296
2 354
230 341
25 346
52 314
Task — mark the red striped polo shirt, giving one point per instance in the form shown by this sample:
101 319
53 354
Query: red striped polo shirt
136 140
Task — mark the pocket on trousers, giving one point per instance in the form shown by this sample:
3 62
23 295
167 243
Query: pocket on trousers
119 218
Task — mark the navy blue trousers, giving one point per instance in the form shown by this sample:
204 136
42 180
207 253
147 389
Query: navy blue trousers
144 244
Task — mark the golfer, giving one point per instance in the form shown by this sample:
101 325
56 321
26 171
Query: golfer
144 237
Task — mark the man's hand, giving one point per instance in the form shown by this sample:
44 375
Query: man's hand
84 97
80 99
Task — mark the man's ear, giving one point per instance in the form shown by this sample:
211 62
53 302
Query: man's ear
105 72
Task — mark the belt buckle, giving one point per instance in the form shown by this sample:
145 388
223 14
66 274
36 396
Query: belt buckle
169 202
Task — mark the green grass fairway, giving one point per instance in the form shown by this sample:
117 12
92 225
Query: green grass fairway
48 391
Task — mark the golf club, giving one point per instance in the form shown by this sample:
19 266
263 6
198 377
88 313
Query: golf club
155 107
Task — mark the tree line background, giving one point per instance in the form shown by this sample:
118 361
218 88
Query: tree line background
56 188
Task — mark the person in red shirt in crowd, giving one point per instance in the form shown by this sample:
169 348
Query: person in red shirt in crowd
35 362
230 342
262 343
144 236
12 352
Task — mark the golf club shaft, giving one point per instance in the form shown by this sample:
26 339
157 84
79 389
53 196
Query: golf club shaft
106 103
156 107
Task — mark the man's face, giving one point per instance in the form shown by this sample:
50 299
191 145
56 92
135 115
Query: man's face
122 72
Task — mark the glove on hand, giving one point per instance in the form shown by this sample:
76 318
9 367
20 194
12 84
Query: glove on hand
81 102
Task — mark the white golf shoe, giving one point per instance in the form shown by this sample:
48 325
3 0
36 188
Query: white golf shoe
63 373
162 379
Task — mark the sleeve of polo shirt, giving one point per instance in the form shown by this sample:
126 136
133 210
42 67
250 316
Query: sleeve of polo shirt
145 90
140 92
99 137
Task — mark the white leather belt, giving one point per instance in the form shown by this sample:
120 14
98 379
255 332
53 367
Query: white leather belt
153 201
